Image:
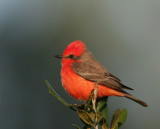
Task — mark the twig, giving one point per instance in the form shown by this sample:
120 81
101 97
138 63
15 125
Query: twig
94 98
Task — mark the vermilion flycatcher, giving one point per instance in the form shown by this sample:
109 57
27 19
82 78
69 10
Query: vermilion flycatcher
80 71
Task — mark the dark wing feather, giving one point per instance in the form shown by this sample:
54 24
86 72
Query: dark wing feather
119 81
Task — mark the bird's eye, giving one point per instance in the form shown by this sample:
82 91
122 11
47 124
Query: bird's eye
71 56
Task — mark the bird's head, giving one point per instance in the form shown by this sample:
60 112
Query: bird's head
73 52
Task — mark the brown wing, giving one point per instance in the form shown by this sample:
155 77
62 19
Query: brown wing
95 72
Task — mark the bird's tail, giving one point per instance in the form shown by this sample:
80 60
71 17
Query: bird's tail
136 100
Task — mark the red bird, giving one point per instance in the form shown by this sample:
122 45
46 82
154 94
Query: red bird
80 71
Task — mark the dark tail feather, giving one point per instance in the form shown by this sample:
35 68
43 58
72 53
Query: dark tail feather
136 100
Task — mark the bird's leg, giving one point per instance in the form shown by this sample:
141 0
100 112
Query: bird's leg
94 98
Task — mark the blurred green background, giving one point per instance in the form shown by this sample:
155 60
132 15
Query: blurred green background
124 35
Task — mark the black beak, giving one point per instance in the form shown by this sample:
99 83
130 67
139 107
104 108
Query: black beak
58 56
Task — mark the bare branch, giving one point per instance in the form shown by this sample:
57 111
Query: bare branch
94 98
